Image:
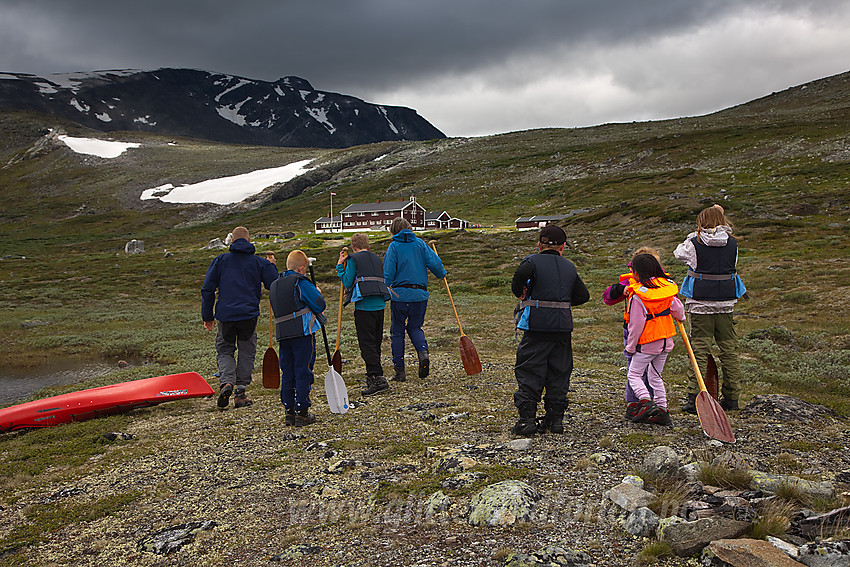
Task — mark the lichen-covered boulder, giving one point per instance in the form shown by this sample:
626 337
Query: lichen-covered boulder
503 503
436 503
171 539
662 461
550 556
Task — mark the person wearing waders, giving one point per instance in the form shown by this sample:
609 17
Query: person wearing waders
362 273
237 275
406 265
548 286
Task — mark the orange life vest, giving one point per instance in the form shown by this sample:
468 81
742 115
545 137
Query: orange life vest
657 301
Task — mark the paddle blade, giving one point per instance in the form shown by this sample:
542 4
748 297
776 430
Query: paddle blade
713 419
711 382
469 356
271 370
336 392
336 362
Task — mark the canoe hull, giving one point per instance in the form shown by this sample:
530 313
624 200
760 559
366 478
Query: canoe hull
106 400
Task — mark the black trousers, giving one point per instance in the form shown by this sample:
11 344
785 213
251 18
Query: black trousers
543 365
370 333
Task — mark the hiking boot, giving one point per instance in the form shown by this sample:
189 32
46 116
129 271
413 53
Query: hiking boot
691 405
641 411
424 363
525 427
224 395
241 400
399 374
375 385
302 418
729 404
290 417
661 418
552 424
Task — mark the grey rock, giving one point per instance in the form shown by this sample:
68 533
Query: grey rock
690 471
454 417
826 554
820 523
601 458
216 243
550 556
629 497
461 480
689 538
520 444
771 482
664 523
633 479
33 323
788 549
745 553
503 503
134 247
436 503
662 461
297 552
787 408
116 435
171 539
642 522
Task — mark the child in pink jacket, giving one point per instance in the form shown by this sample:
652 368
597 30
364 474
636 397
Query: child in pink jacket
651 308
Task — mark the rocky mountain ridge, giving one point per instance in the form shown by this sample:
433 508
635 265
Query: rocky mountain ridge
213 106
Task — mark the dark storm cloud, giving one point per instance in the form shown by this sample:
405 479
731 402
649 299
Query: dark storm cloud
393 48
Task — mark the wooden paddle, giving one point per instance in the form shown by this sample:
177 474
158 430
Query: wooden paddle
712 383
468 354
271 363
336 359
712 418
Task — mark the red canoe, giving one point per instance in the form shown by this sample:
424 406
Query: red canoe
106 400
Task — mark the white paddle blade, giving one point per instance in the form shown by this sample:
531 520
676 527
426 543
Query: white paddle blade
336 392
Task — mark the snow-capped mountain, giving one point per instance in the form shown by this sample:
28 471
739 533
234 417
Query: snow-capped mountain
224 108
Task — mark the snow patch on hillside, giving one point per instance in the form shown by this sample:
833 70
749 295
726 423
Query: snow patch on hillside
227 190
99 148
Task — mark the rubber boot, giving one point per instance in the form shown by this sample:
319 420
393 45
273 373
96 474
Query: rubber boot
375 385
553 423
424 363
526 426
399 374
691 405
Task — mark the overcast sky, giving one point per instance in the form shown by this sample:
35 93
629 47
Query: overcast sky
470 67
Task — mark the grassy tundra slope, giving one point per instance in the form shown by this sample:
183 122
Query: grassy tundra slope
779 165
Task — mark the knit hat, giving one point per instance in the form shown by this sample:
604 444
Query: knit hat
553 235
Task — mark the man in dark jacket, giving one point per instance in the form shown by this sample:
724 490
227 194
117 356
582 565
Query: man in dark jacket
237 275
548 286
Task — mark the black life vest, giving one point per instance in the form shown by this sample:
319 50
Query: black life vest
547 307
714 278
369 279
292 316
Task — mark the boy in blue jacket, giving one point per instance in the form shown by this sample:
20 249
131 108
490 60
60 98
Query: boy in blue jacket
406 265
298 308
237 275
